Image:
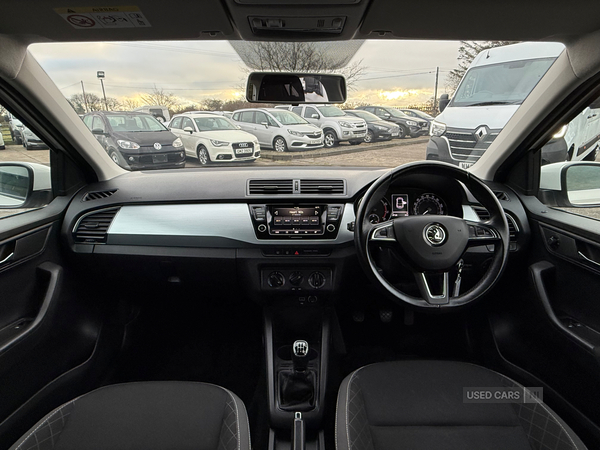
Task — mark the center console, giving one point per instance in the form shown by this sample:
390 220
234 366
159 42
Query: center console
296 221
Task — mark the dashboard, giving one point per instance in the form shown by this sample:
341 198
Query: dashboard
292 240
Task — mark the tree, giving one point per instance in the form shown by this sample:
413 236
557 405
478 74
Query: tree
467 52
161 98
129 104
212 104
299 57
93 102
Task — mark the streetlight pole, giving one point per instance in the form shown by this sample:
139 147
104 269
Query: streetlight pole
437 75
84 98
100 75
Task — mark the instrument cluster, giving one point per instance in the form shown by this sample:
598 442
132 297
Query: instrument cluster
409 203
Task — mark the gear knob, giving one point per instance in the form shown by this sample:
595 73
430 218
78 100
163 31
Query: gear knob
300 356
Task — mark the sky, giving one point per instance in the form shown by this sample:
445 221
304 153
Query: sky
396 73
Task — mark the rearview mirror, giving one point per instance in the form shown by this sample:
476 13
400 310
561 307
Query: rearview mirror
266 87
16 182
444 100
571 184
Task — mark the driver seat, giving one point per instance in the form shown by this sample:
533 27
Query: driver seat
419 405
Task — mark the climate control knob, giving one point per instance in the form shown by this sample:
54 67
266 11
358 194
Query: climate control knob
316 280
276 279
296 278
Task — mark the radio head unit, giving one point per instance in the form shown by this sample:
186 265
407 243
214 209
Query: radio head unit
280 221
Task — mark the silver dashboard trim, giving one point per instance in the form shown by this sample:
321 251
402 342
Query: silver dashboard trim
202 225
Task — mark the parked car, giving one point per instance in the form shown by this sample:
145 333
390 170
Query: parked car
2 146
161 113
212 138
136 140
418 114
337 126
16 130
278 129
409 127
491 91
31 141
377 128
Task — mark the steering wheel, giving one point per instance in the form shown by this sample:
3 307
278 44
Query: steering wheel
431 246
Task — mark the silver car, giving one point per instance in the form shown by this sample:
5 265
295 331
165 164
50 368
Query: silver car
279 129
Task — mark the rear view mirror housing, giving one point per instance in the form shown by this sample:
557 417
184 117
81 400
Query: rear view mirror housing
24 185
286 88
188 130
444 100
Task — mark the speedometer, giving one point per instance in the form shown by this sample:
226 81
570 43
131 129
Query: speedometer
429 204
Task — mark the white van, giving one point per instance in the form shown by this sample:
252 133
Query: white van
491 91
160 113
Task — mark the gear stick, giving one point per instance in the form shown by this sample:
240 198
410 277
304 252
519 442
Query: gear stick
297 386
300 356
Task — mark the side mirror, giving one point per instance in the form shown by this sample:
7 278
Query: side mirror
17 187
98 132
188 130
314 116
571 184
387 115
266 124
238 127
444 100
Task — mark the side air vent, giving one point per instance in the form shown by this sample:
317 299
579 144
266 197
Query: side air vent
513 228
98 195
270 187
337 187
502 196
92 228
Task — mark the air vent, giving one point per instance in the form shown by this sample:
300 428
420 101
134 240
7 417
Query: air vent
336 187
502 196
98 195
92 228
270 187
484 215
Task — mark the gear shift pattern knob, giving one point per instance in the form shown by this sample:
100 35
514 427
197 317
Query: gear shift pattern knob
300 356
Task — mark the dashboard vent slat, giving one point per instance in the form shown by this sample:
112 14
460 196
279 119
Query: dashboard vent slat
484 215
319 186
98 195
502 196
92 228
270 187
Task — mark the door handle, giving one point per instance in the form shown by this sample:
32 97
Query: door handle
7 259
592 116
588 259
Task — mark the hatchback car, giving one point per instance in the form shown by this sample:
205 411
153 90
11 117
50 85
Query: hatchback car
409 127
31 141
377 128
136 140
213 138
280 130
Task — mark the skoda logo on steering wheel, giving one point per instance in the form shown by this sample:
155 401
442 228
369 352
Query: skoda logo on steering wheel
434 234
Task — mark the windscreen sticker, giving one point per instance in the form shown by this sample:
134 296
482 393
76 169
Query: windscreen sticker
104 17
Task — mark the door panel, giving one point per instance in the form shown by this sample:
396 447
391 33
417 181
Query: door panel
48 328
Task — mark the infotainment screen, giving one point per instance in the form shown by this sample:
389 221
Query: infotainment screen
296 220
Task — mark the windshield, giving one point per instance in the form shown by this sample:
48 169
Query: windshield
505 83
287 118
213 124
134 123
431 76
366 115
331 111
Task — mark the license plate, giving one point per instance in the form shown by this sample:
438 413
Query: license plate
159 159
465 165
243 151
315 141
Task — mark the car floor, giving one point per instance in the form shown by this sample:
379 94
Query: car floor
220 342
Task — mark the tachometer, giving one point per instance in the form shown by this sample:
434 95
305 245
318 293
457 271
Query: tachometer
381 212
429 204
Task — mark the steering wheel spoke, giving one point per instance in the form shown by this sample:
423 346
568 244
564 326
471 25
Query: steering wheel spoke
434 287
482 233
383 234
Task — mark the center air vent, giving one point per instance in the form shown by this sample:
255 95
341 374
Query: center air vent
513 228
502 196
93 227
98 195
336 187
270 187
